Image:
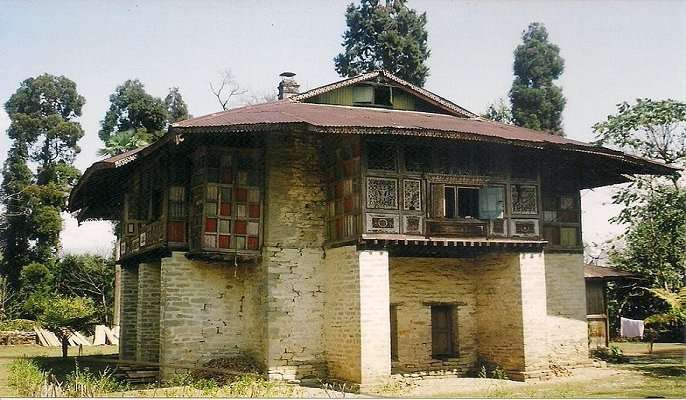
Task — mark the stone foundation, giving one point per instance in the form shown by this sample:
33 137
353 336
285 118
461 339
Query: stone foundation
207 311
128 335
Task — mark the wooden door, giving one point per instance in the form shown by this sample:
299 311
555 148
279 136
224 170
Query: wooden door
442 331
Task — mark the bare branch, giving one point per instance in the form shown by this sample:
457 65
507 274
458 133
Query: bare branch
226 89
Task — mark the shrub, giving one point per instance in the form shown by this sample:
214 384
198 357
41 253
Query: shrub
24 325
490 370
26 378
613 354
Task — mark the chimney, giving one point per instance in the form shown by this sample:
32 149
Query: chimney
288 86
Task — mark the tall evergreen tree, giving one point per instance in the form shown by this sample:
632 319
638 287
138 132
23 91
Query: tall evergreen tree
176 107
536 102
42 113
389 36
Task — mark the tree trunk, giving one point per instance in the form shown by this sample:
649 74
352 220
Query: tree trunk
65 345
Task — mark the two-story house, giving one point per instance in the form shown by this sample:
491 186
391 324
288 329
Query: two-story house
358 229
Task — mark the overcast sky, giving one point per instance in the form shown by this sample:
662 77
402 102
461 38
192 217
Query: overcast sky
613 51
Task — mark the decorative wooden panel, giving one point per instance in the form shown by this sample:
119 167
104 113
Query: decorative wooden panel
524 199
382 193
383 223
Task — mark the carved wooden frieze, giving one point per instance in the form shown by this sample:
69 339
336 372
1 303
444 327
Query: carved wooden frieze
470 180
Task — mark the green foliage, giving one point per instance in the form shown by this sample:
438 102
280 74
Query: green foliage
132 108
23 325
59 312
136 118
84 383
43 130
654 208
675 314
26 378
648 128
491 370
499 111
87 276
176 107
536 102
390 36
613 354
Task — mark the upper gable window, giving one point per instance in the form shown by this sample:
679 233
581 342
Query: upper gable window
380 95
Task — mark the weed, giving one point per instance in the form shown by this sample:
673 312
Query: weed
84 383
26 378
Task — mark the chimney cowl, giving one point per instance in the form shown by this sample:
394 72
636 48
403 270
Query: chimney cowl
288 86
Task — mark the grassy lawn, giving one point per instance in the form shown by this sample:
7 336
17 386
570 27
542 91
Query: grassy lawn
661 374
50 358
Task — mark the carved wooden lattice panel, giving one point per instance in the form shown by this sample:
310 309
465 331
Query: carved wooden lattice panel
412 195
382 193
524 199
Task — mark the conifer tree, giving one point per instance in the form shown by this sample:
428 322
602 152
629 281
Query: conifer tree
537 103
389 36
43 130
176 107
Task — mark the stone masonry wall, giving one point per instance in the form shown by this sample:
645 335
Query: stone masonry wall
566 303
208 310
416 284
292 258
499 311
357 328
148 312
128 312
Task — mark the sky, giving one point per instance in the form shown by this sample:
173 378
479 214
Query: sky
614 51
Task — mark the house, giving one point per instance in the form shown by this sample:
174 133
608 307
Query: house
355 230
597 313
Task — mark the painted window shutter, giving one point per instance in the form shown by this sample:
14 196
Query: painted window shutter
491 202
437 200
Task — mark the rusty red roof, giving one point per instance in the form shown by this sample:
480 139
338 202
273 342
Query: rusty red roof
334 116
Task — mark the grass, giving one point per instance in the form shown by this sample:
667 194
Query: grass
49 358
661 374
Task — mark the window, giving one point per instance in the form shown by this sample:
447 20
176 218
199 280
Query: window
381 156
461 202
492 202
442 338
380 95
394 333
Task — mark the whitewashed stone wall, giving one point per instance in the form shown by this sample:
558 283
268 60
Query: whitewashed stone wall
357 323
295 207
208 310
566 304
416 284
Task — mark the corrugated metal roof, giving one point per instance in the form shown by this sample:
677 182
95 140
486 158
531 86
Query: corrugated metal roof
334 116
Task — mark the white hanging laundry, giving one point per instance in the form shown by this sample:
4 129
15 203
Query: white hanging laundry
630 328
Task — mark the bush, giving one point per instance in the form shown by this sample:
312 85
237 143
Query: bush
24 325
487 369
26 378
613 354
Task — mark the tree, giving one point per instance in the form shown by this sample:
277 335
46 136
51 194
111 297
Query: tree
176 107
389 36
499 111
536 102
63 315
132 108
227 89
136 118
87 276
654 208
43 130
